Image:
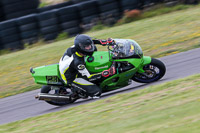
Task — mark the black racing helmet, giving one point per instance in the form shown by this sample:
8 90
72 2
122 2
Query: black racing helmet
84 44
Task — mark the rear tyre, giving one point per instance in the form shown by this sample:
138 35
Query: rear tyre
47 89
153 72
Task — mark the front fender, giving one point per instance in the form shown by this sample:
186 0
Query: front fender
146 61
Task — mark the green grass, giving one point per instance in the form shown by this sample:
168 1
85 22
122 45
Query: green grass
172 107
161 9
151 12
158 36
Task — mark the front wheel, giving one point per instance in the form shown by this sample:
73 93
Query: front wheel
153 72
47 89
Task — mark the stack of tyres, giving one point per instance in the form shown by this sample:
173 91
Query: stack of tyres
130 4
1 19
9 35
69 20
28 27
48 25
78 1
109 11
89 13
57 6
1 12
18 8
1 45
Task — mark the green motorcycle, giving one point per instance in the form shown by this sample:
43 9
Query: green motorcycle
125 55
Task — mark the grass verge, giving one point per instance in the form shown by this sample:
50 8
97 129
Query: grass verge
158 36
156 10
169 107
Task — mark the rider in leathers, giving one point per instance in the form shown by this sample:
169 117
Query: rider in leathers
73 62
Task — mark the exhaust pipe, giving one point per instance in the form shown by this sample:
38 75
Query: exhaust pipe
51 97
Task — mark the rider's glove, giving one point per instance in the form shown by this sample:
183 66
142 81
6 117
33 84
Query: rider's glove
103 42
109 41
111 71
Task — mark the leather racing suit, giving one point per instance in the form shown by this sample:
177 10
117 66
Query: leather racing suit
71 64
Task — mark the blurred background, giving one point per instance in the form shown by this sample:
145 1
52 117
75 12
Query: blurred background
25 22
36 33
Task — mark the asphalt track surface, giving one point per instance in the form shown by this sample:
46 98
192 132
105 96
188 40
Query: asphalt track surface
24 105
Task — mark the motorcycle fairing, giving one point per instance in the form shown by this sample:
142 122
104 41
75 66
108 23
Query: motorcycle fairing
99 63
47 75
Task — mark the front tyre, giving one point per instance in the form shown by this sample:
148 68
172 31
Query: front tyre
47 89
153 72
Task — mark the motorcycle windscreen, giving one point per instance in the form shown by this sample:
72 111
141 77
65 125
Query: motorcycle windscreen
126 48
98 62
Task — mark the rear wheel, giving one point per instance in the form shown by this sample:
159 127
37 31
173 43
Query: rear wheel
47 89
153 72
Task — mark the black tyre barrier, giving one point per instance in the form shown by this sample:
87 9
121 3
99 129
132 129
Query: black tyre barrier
50 32
110 18
131 7
57 6
27 19
109 11
20 13
7 24
67 14
14 45
48 22
78 1
88 12
68 17
103 2
31 40
1 19
87 5
88 8
1 13
49 29
130 4
5 2
69 9
20 6
69 24
29 34
113 13
73 31
108 7
9 31
10 38
53 19
9 35
90 19
51 36
47 15
28 27
1 45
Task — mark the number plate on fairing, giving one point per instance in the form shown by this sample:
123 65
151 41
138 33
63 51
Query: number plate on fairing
53 80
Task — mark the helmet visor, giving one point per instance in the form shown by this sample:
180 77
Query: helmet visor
87 47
